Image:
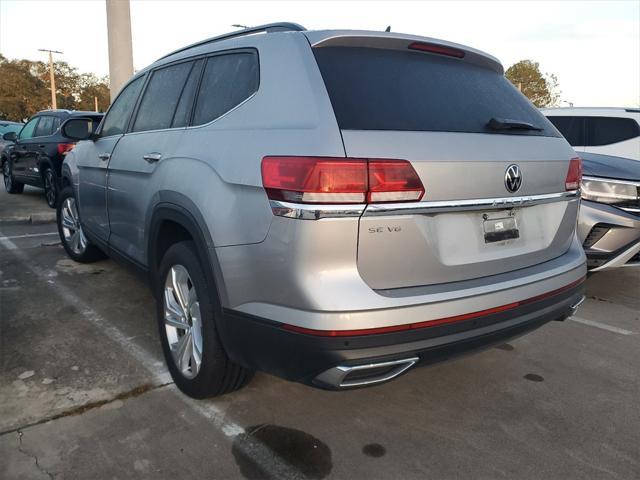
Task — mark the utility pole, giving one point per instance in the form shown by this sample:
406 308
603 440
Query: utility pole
120 49
54 103
95 99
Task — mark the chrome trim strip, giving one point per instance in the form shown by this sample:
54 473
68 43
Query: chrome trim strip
335 377
314 212
611 180
415 208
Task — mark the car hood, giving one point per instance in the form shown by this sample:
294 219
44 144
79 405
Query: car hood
595 165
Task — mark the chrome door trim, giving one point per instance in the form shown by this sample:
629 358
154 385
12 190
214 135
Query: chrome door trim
416 208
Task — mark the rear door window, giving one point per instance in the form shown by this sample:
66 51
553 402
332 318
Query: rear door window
28 130
183 110
45 127
227 81
379 89
608 130
161 97
571 128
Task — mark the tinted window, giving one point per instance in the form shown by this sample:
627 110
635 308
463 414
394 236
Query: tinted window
183 110
607 130
376 89
56 124
27 131
161 97
45 127
118 116
227 81
571 128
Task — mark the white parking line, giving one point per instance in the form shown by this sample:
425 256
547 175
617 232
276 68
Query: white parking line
28 235
266 459
603 326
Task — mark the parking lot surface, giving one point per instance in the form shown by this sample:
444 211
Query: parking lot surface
84 393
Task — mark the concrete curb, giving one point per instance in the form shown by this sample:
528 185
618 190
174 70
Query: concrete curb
34 219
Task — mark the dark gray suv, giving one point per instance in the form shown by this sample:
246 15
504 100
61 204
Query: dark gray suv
333 207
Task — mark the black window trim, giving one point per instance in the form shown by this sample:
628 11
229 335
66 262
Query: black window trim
194 59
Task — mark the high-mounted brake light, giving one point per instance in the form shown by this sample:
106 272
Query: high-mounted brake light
324 180
439 49
64 148
574 174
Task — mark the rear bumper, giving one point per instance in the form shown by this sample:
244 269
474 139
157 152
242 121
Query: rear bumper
619 246
265 345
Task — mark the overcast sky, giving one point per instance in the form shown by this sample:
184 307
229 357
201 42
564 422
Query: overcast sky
593 47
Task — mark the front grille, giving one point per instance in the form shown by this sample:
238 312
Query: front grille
596 233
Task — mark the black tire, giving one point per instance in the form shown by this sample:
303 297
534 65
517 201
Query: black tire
50 182
217 374
90 253
10 184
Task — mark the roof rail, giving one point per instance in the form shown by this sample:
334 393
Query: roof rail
267 28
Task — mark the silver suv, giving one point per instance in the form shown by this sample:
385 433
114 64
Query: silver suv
332 207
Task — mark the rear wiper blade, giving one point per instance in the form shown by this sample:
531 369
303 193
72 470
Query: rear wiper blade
508 124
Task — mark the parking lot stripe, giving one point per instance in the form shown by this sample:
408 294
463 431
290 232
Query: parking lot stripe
28 235
603 326
265 458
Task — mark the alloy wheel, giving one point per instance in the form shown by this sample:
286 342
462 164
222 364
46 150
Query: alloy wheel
71 229
49 188
182 321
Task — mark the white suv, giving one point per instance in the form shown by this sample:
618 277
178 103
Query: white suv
608 131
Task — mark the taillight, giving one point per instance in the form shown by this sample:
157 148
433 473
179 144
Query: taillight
574 174
64 148
439 49
340 180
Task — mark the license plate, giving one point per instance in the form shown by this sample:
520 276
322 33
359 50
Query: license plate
500 229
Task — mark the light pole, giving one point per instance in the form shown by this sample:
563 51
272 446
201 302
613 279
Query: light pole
54 103
120 49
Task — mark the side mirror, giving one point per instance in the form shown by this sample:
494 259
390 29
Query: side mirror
78 128
10 136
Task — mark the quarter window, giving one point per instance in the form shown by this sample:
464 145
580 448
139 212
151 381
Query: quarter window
608 130
118 115
228 80
28 129
161 97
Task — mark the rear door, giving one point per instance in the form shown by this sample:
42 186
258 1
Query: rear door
155 132
433 110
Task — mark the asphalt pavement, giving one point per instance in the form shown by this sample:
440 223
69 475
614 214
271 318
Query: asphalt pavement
84 393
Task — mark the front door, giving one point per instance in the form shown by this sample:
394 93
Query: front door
20 154
93 161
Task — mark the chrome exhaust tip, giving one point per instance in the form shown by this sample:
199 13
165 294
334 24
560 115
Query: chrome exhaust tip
576 305
360 375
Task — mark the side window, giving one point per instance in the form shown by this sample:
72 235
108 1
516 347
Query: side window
28 129
227 81
118 115
56 124
183 110
608 130
161 97
571 128
45 127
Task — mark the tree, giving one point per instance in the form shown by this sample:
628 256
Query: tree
541 89
25 88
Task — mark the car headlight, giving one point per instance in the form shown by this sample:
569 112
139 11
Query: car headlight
609 190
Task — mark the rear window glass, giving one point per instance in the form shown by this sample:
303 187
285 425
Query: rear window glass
571 128
608 130
376 89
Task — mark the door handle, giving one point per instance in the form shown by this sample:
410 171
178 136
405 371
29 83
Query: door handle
152 157
104 156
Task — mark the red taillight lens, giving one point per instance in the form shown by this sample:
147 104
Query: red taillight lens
439 49
64 148
393 181
574 174
339 180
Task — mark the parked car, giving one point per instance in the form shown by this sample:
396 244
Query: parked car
6 127
609 220
607 131
333 207
37 154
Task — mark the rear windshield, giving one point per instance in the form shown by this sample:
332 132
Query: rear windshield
376 89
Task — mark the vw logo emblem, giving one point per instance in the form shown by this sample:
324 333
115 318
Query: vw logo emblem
513 178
